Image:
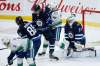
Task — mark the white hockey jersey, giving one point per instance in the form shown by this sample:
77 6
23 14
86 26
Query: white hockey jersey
19 44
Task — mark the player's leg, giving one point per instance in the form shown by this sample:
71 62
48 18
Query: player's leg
45 45
20 56
58 33
46 42
52 44
51 50
71 47
19 61
31 62
29 57
36 46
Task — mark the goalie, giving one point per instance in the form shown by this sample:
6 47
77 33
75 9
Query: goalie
73 33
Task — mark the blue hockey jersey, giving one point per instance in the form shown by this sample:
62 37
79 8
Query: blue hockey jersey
74 33
27 30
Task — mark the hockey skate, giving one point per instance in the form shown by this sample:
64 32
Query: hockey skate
41 54
53 57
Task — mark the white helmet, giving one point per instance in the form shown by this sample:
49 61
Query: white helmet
51 5
5 41
72 17
55 16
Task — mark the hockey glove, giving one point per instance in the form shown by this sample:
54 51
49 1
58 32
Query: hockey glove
10 62
10 58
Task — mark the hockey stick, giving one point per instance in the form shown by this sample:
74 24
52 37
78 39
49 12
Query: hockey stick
3 48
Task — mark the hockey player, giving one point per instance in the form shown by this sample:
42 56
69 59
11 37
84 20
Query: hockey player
73 33
26 31
19 48
44 16
55 18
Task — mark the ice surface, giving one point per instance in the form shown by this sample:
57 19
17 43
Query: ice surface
8 28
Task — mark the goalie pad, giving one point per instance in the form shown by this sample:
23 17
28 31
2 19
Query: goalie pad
85 52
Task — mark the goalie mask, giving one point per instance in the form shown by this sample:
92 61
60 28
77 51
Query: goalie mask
72 17
19 20
55 16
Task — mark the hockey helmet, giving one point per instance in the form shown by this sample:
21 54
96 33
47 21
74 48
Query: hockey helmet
52 6
55 16
72 17
37 8
5 41
19 20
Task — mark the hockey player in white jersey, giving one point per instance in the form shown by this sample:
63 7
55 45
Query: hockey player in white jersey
19 47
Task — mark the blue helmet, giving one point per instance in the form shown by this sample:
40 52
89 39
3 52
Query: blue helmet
19 20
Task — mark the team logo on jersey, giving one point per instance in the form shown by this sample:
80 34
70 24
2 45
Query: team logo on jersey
39 23
70 35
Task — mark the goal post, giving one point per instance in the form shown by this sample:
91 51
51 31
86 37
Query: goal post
91 26
83 16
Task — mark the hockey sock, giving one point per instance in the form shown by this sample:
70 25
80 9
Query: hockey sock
20 64
51 48
62 46
51 51
32 64
45 47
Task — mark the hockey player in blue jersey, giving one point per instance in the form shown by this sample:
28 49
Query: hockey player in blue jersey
29 30
26 31
55 18
73 33
49 34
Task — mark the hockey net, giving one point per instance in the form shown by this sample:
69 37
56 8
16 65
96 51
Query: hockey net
91 27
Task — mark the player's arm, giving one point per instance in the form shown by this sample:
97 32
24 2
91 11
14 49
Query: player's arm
21 33
53 25
79 26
